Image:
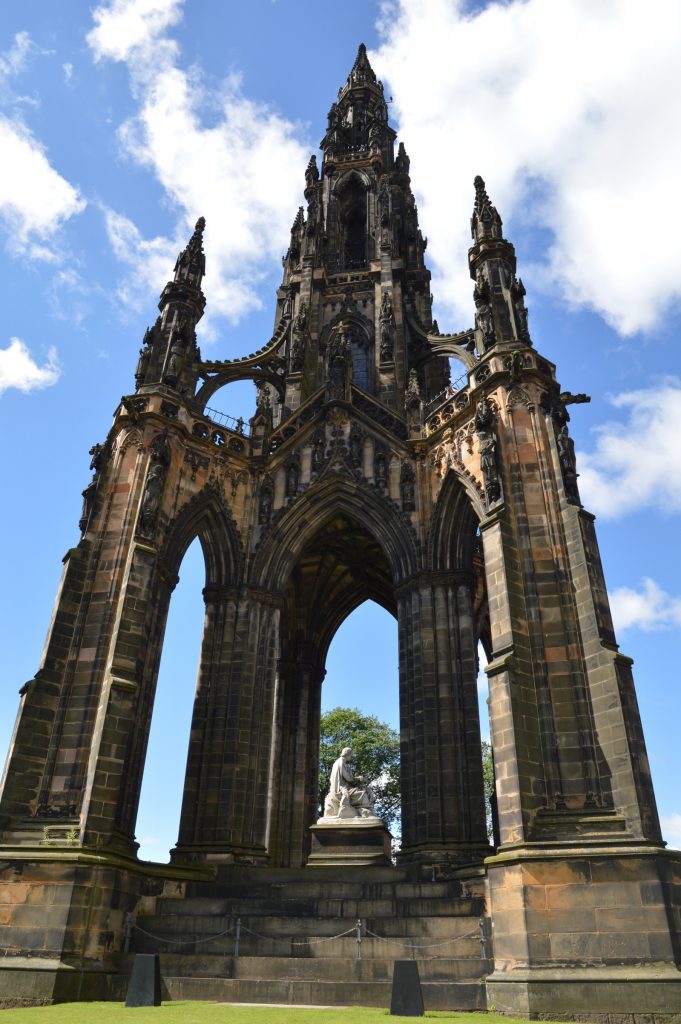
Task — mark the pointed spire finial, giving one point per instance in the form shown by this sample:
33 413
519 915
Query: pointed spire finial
402 160
191 263
481 196
485 222
362 70
312 172
298 221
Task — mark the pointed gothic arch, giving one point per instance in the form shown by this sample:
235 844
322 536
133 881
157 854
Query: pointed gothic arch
280 546
206 516
457 513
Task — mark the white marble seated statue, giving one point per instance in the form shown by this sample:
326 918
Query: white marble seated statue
349 795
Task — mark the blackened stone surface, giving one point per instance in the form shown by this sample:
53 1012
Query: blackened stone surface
145 981
407 1000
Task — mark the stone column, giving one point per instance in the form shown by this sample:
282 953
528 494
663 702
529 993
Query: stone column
224 810
41 700
295 762
443 806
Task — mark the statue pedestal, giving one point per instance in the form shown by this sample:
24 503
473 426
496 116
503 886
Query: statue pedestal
347 842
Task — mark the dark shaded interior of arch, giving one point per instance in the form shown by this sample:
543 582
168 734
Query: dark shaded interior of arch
341 567
353 221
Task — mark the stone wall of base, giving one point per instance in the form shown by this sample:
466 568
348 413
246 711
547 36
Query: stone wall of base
33 981
577 907
647 995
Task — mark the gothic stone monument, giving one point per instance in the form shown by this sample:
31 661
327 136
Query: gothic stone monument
366 473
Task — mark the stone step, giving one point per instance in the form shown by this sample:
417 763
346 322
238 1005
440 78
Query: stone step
315 969
331 888
436 995
284 905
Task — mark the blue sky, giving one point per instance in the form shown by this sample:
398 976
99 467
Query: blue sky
121 123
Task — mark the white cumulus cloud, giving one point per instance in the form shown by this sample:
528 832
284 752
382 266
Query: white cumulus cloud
217 166
35 200
648 608
19 370
569 109
123 26
636 461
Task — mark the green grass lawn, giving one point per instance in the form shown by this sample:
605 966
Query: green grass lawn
221 1013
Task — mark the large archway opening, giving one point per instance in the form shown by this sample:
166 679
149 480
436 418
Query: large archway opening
360 705
163 779
340 568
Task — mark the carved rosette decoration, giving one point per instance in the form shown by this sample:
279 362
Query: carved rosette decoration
488 447
154 484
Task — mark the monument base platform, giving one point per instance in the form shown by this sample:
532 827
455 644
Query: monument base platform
360 842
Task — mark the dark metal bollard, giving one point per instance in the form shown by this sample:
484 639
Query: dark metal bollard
144 988
407 999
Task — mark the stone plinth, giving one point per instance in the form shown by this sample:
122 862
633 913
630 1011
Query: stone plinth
359 842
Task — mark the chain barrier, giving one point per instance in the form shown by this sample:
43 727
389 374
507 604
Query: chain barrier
420 945
356 930
182 942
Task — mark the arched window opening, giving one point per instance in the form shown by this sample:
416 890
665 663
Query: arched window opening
362 675
164 771
458 374
233 405
360 362
353 219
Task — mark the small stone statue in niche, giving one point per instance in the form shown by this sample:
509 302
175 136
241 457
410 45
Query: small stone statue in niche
407 488
88 505
486 325
568 464
318 452
339 358
265 509
484 425
299 333
153 490
387 328
292 478
349 795
380 468
154 484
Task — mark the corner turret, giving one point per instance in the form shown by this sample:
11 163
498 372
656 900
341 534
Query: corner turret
501 316
169 353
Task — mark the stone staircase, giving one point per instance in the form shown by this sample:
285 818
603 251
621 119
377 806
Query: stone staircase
297 937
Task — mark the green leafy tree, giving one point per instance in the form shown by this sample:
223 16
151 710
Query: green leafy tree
376 757
488 782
